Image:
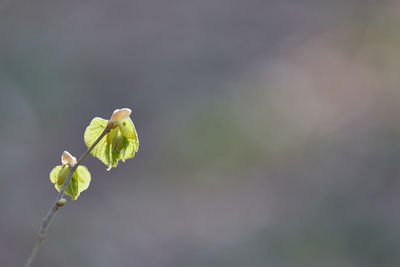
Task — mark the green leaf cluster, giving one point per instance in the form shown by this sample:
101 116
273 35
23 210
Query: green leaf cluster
79 181
120 143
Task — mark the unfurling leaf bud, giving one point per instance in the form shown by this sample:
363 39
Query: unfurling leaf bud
61 202
121 140
79 181
67 158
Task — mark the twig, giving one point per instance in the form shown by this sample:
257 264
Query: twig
54 208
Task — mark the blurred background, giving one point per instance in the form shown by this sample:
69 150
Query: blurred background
269 131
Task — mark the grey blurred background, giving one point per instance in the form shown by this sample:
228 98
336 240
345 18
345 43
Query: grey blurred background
269 131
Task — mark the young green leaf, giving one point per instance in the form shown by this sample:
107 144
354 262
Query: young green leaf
79 181
82 175
95 128
55 173
72 188
121 142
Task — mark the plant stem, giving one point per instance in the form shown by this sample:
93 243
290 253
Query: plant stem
54 208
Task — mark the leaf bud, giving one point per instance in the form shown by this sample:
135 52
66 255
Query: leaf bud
61 202
67 158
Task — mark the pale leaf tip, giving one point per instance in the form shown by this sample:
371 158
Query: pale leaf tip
67 158
120 115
